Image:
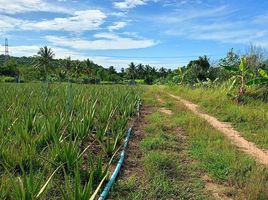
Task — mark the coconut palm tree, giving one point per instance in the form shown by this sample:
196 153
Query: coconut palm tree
140 71
132 71
45 57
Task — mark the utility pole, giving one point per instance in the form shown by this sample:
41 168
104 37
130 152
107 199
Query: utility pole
6 50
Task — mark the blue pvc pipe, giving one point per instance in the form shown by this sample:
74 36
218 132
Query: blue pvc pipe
117 169
120 162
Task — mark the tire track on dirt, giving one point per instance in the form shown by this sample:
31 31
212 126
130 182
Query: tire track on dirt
235 137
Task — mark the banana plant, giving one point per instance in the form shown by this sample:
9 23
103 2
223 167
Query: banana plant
241 73
259 81
182 73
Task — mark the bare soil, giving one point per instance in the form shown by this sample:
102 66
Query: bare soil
218 191
166 111
132 163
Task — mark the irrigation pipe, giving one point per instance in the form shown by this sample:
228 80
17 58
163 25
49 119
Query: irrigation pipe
120 162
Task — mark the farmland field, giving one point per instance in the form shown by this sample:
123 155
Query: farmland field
133 100
63 141
59 141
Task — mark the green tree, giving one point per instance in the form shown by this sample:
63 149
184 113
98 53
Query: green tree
148 71
89 67
140 71
231 59
199 68
131 71
10 68
111 70
162 72
122 73
67 64
255 58
45 57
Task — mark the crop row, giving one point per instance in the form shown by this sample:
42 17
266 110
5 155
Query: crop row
59 141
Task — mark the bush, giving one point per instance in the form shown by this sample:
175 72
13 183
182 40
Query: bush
90 81
8 79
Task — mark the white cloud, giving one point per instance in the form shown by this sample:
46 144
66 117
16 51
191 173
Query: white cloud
225 32
183 15
31 50
103 41
127 4
22 6
79 21
216 24
117 25
179 3
118 14
8 23
261 19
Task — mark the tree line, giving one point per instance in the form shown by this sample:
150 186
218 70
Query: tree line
44 66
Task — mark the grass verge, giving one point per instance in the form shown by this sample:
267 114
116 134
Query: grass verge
167 171
250 118
219 158
174 164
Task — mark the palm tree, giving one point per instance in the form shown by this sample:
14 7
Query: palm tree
162 72
148 75
140 71
200 67
67 65
45 57
132 71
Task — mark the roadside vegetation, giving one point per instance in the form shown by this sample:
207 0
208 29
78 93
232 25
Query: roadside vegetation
250 118
180 151
224 162
165 170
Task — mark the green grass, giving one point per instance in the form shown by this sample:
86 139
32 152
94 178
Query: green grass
173 166
167 171
250 118
222 160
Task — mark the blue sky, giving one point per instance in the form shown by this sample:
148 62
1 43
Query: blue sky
165 33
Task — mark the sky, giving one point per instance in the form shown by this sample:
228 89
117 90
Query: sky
166 33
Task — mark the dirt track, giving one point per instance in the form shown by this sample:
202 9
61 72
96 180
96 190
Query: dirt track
235 137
